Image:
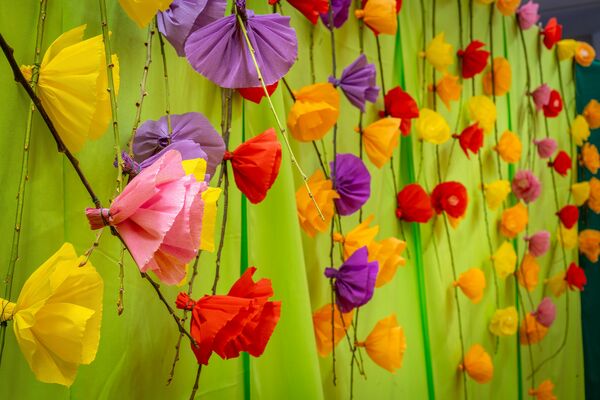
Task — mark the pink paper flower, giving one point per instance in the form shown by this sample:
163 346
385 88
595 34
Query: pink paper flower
545 313
159 216
541 96
538 243
528 15
546 147
526 186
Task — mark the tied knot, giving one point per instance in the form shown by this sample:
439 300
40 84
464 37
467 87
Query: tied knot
334 81
98 217
460 53
331 273
360 14
185 302
338 238
399 213
7 310
360 344
461 367
455 136
129 165
455 284
27 71
227 156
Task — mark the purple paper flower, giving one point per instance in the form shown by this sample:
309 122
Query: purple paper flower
526 186
546 312
541 96
340 13
219 50
538 243
528 15
192 135
354 281
546 147
352 183
358 82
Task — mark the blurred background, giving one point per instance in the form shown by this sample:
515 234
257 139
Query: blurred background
580 18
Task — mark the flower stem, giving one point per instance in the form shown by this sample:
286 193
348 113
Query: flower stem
496 134
166 80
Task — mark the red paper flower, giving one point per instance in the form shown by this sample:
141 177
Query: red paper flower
243 320
400 104
562 163
414 204
450 197
256 164
568 216
575 277
471 138
311 9
554 106
552 33
474 60
398 5
256 94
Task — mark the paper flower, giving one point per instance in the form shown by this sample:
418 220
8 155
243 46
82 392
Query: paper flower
541 96
544 391
580 192
478 364
575 277
192 136
531 331
589 244
386 344
379 16
362 235
514 220
566 48
569 215
502 78
400 104
209 220
414 205
474 59
358 82
177 21
311 9
545 313
242 320
256 94
584 54
545 147
388 253
470 139
159 217
340 10
352 183
505 322
472 284
507 7
580 130
509 147
528 273
552 33
594 197
557 284
496 192
483 110
590 158
142 12
354 281
528 15
310 220
526 186
505 260
554 106
255 165
567 238
562 163
538 243
314 112
322 326
210 47
591 114
439 53
381 139
450 197
449 89
432 127
57 316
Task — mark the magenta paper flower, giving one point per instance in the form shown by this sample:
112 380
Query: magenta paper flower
528 15
526 186
541 96
538 243
546 147
546 312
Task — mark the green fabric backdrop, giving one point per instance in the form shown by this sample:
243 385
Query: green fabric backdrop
136 349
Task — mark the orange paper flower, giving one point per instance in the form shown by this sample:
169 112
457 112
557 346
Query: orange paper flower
362 235
594 200
310 220
514 220
509 147
379 16
386 344
478 364
449 89
472 283
322 326
507 7
590 158
528 273
592 114
589 244
531 331
388 253
314 113
584 54
502 78
381 139
544 391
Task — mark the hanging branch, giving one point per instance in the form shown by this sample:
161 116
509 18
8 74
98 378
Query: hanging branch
491 27
572 147
311 53
532 131
424 48
166 79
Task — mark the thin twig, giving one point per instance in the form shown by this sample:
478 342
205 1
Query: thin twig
120 303
195 388
166 80
93 247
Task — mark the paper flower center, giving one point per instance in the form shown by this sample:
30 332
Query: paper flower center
453 201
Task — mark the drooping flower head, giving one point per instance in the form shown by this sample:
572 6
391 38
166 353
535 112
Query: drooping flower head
340 10
472 284
580 130
400 104
322 325
358 82
545 313
545 147
554 106
531 331
352 183
439 53
529 272
509 147
592 114
569 215
470 139
552 33
526 186
504 260
474 59
541 96
589 244
450 197
482 110
562 163
432 127
498 80
507 7
379 16
414 204
478 364
545 391
386 344
496 192
575 277
538 243
314 112
505 322
324 195
381 139
514 220
528 15
590 158
449 89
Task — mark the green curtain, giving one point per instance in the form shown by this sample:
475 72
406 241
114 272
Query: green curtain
136 349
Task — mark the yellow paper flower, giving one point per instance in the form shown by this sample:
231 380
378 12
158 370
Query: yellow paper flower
381 139
528 274
388 253
567 237
502 78
509 147
557 284
209 220
589 244
478 364
496 192
566 49
532 331
57 316
584 54
310 221
322 327
440 54
314 113
380 15
590 158
505 260
507 7
386 344
580 192
514 220
449 89
580 130
483 110
544 391
362 235
472 284
592 114
594 198
505 322
142 11
432 127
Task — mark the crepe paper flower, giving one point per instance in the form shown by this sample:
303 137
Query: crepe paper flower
529 272
432 127
580 130
580 192
526 186
311 9
275 46
159 217
474 59
358 82
386 344
554 106
470 139
569 215
567 237
324 195
472 284
381 139
483 110
354 281
552 33
557 284
400 104
589 244
544 391
575 277
502 78
505 260
256 94
449 89
562 163
177 21
379 16
594 197
566 49
541 96
362 235
192 136
528 15
57 316
314 113
538 244
388 253
322 326
478 364
352 183
509 147
242 320
545 147
505 322
340 10
450 197
209 220
507 7
439 53
545 313
514 220
584 54
591 113
142 12
414 205
496 192
531 331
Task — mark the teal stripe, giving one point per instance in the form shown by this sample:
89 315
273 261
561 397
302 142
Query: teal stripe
244 262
